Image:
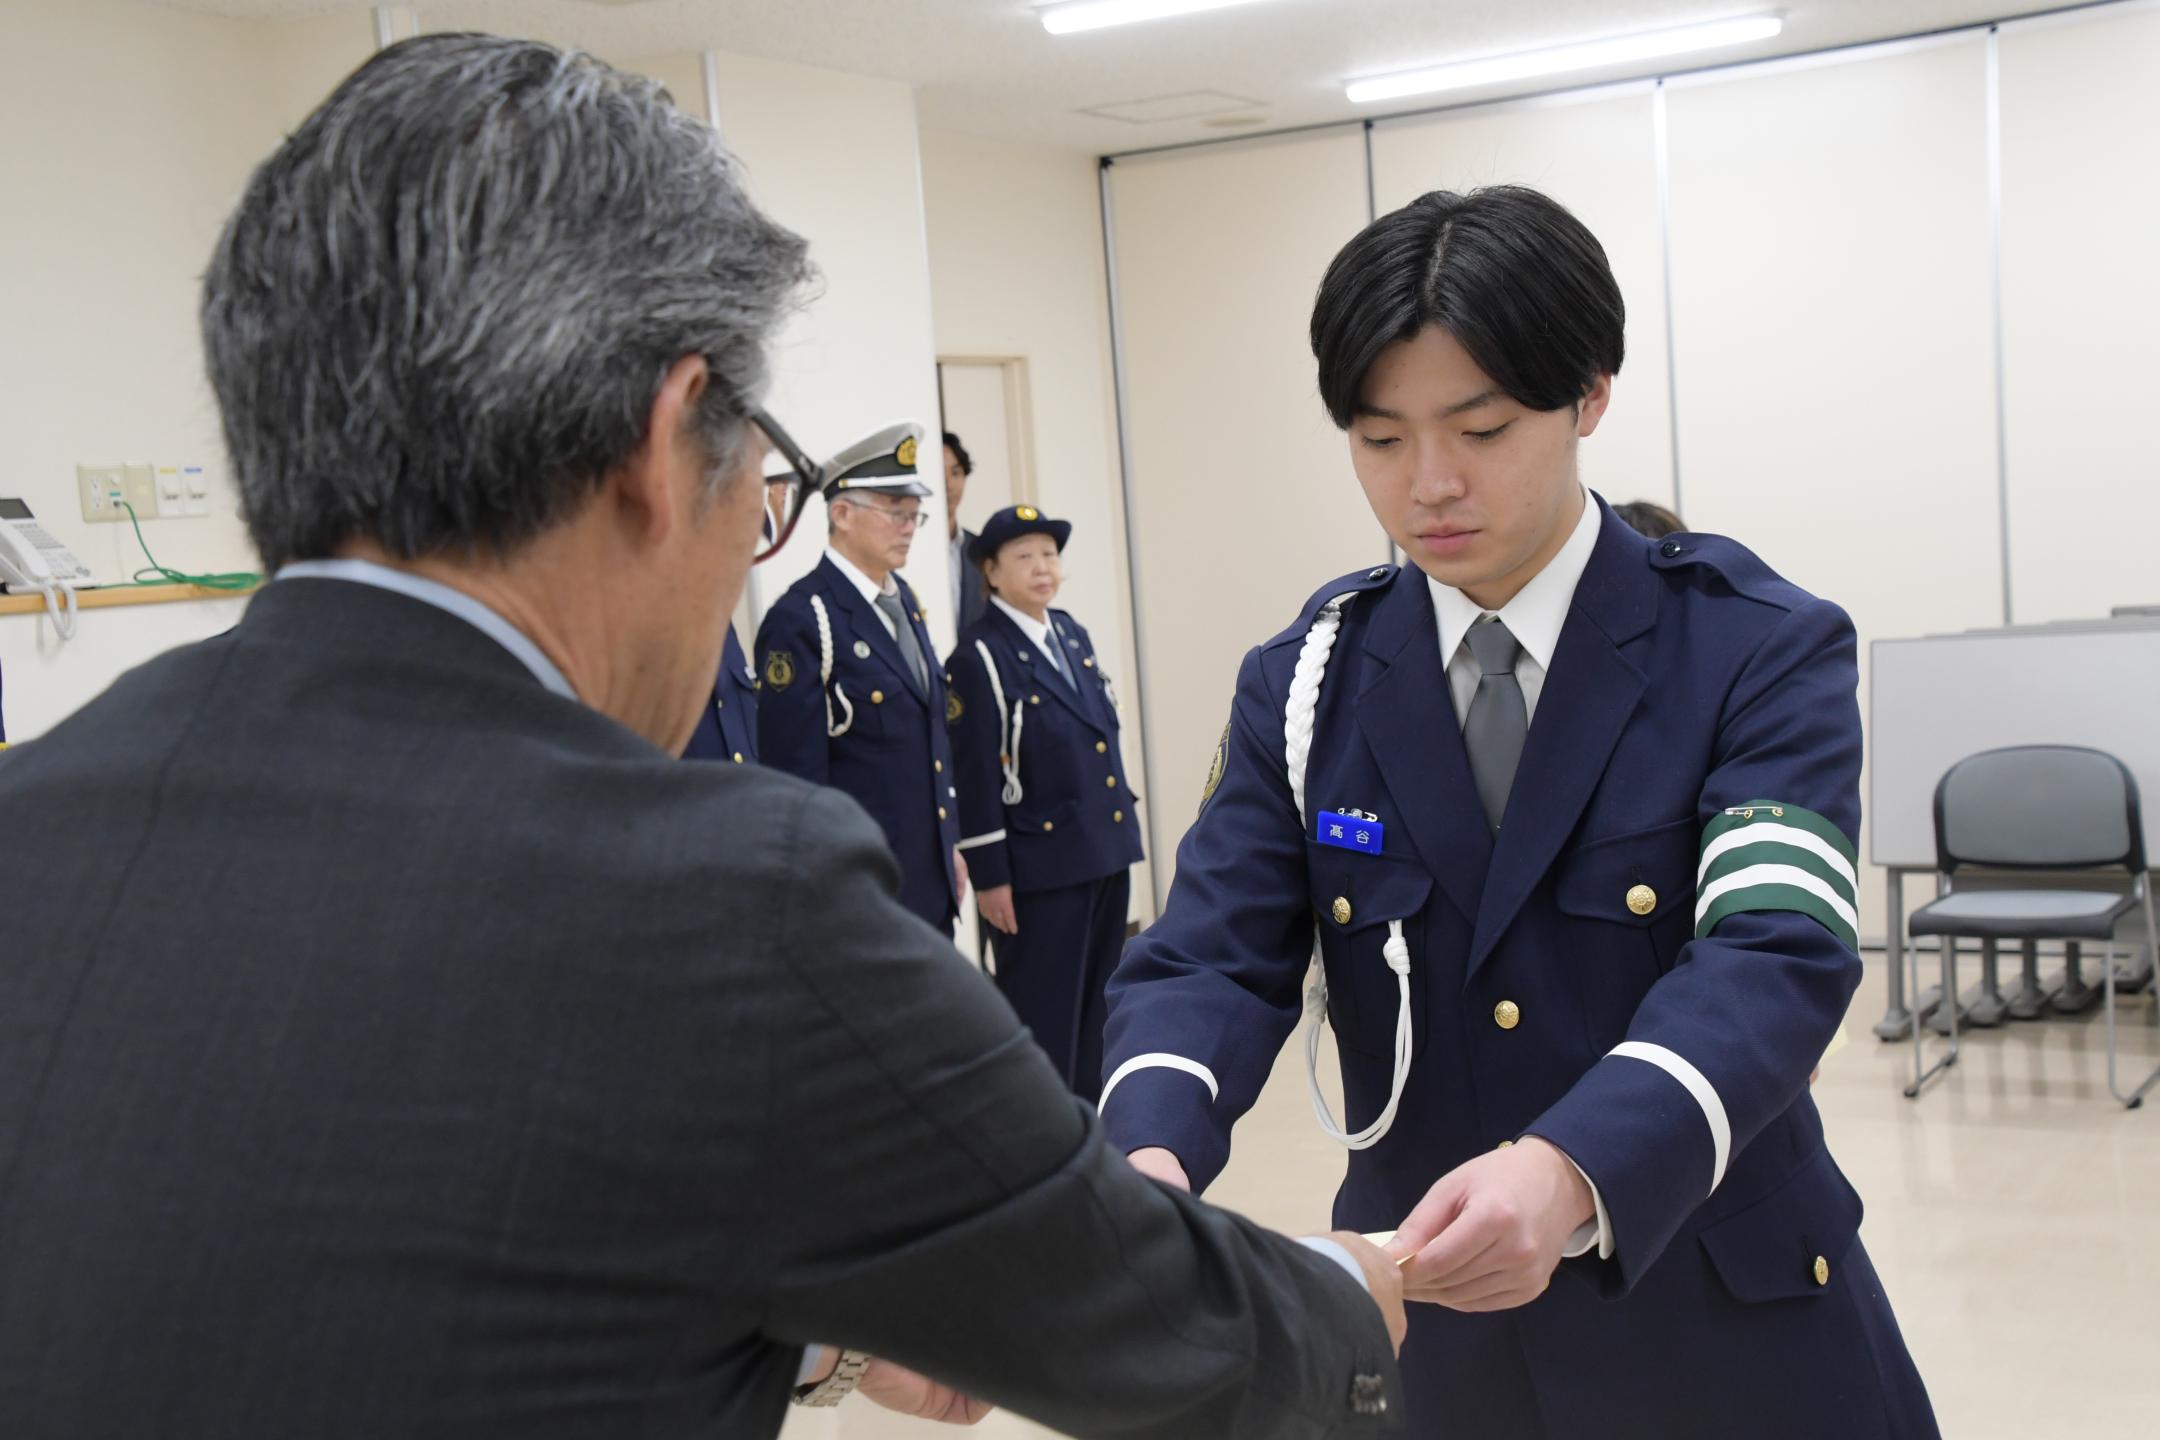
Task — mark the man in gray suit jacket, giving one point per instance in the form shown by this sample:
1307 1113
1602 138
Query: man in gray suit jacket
396 1041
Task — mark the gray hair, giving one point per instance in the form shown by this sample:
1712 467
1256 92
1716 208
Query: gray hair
445 305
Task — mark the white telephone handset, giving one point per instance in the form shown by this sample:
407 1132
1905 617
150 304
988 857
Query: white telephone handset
32 560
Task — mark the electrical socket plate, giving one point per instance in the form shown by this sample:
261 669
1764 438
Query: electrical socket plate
102 488
141 483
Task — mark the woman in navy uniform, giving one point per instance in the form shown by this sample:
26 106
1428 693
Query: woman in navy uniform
1572 813
1047 820
851 694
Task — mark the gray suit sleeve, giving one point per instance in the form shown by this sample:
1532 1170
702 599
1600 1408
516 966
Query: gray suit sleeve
937 1197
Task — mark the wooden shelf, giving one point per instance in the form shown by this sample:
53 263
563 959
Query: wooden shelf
121 595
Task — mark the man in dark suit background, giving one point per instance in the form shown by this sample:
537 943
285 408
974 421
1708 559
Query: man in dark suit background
395 1040
970 597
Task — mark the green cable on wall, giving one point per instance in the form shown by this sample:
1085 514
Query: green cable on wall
156 574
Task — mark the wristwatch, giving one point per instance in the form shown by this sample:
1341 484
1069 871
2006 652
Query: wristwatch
837 1386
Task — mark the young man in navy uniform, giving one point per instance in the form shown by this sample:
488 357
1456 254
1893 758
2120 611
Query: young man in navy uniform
1049 824
1573 815
851 694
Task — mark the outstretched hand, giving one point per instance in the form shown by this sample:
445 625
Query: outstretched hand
1489 1233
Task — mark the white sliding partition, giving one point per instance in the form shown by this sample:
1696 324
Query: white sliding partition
2081 297
1243 498
1596 154
1834 338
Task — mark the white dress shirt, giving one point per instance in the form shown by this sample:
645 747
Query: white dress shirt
1038 632
1534 617
867 586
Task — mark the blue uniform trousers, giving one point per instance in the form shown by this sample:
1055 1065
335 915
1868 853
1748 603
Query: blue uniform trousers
1053 972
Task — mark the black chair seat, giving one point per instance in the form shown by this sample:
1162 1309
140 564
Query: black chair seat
2024 914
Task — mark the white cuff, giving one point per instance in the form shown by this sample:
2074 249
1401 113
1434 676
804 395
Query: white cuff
1159 1060
992 838
1590 1233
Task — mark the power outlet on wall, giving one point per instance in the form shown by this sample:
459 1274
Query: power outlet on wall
142 491
103 487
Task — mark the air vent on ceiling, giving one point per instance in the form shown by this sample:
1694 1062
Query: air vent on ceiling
1192 105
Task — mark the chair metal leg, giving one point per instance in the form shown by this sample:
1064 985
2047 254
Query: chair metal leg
2030 1001
1923 1072
2076 996
1940 1019
1986 1008
2136 1097
1897 1018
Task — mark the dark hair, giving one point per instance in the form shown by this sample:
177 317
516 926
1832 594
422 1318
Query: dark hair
1516 279
1645 518
442 309
952 443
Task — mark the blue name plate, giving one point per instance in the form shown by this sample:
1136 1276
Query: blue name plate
1350 832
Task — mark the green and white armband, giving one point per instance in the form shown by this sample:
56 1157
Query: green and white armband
1769 856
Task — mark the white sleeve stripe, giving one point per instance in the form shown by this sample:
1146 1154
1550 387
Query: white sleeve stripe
1791 835
1159 1060
1791 875
990 839
1693 1081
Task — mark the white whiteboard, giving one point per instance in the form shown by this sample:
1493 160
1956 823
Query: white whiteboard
1933 701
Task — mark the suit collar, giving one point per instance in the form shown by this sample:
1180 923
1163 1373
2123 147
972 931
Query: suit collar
847 593
1423 763
1063 682
444 598
1591 691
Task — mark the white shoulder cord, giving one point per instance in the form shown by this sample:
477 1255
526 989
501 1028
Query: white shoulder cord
824 674
1009 729
1298 714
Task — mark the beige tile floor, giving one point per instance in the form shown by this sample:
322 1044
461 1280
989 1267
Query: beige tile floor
2014 1212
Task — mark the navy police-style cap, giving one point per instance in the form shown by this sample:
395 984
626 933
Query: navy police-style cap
1010 524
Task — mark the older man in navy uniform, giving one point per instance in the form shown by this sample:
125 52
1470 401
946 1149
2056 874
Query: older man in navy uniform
1583 945
851 694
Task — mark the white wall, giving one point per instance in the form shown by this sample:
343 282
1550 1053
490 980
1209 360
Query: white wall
1243 498
2081 123
1016 268
112 212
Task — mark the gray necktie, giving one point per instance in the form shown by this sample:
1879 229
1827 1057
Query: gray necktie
1498 721
904 632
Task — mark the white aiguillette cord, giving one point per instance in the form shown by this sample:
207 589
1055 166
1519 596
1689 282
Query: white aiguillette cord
1298 713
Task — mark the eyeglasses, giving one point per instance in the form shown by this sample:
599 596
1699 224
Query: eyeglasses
803 478
901 520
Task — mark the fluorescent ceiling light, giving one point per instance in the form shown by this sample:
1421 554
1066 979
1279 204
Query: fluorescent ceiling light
1584 55
1097 14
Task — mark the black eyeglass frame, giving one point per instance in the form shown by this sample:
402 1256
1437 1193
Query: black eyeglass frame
804 475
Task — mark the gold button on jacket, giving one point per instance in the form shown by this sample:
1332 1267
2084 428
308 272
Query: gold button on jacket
1822 1271
1642 899
1507 1014
1341 911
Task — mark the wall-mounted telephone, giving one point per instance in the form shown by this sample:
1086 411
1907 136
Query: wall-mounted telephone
32 561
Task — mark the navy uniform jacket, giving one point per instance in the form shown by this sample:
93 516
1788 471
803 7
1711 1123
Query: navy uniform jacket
728 728
1560 985
893 757
1075 820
